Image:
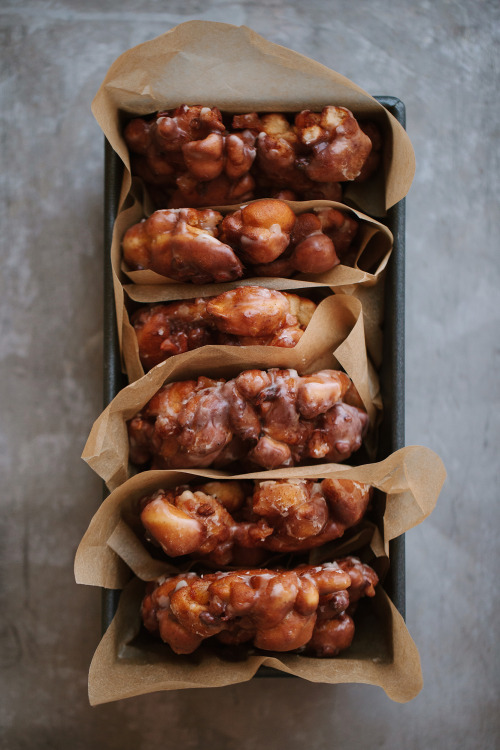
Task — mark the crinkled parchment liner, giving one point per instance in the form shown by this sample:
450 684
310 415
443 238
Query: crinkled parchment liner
128 663
410 479
374 246
336 340
237 70
373 242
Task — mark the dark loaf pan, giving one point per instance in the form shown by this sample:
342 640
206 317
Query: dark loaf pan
391 373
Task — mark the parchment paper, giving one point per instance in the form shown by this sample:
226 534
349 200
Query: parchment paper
410 479
237 70
127 663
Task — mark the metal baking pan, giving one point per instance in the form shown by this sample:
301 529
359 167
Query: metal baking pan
391 373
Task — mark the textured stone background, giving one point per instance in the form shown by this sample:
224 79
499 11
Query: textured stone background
441 58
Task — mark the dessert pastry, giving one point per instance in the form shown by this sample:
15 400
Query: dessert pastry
246 316
271 418
233 522
308 608
182 244
264 238
314 155
189 156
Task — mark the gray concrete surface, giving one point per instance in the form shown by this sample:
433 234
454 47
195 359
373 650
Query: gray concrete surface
441 58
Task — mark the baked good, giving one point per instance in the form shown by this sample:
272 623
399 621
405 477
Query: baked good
308 608
237 522
269 418
245 316
263 238
194 156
